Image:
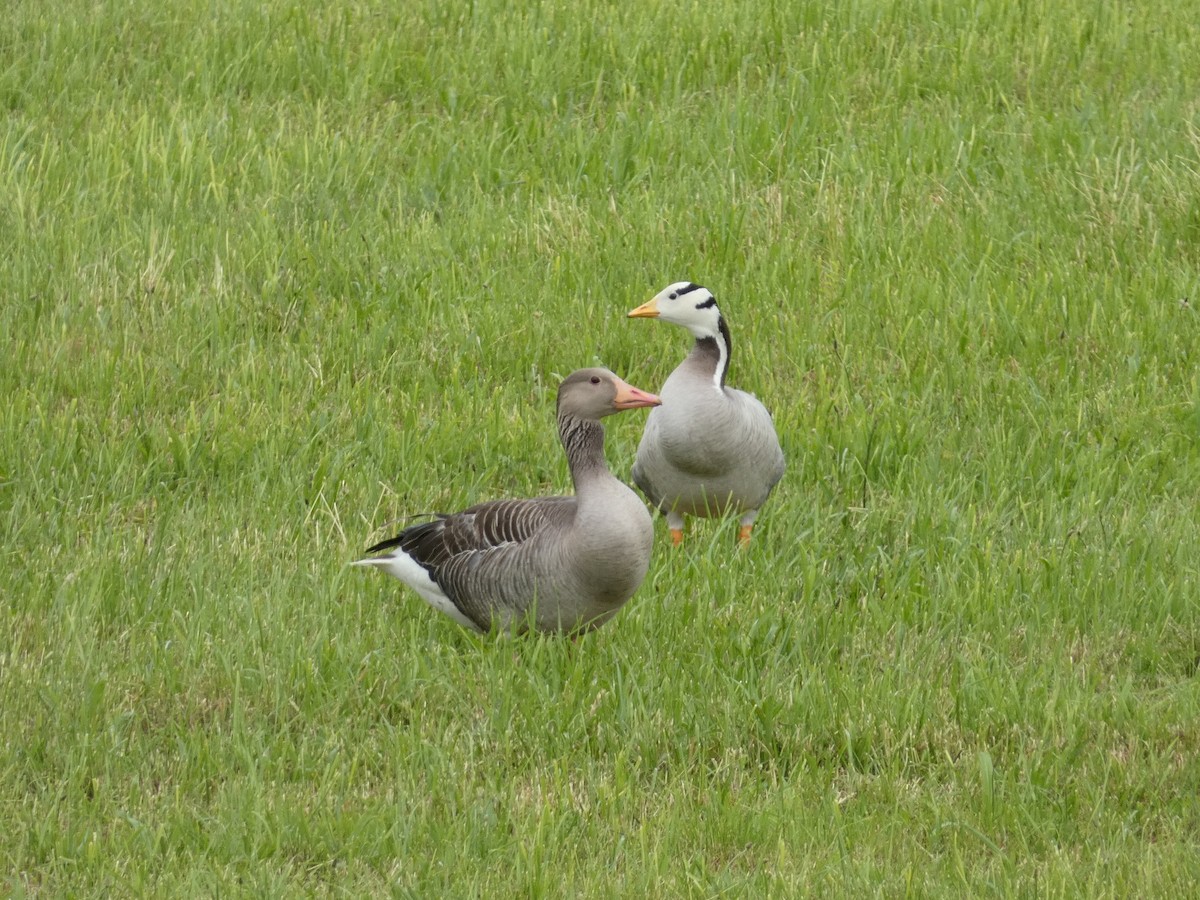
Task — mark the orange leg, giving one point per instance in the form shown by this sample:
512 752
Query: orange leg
675 525
747 524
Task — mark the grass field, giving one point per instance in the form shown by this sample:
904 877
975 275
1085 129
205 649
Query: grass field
276 274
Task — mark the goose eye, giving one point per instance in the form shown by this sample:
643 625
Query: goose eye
595 379
673 296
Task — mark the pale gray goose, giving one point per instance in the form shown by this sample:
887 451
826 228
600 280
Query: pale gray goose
553 564
710 448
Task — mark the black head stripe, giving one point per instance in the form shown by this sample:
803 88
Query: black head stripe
688 288
711 301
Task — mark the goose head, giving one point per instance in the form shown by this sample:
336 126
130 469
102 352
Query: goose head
684 303
592 394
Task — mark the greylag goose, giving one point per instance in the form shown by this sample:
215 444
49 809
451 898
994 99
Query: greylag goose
709 449
552 564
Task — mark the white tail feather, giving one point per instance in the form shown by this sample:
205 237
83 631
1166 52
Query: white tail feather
403 567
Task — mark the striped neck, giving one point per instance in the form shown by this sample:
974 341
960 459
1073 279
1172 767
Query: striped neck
583 439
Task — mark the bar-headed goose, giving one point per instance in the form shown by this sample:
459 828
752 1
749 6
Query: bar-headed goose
709 449
554 564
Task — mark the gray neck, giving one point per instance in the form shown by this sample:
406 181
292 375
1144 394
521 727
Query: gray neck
711 354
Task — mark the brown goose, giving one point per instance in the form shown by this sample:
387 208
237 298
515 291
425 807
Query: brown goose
709 449
554 564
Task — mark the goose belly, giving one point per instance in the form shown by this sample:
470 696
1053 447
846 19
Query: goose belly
584 581
701 497
612 555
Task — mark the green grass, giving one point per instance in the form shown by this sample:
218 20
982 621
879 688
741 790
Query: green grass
276 274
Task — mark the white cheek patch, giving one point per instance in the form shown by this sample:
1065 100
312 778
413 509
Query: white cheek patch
402 566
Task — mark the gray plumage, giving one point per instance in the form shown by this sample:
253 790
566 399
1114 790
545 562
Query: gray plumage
556 564
710 449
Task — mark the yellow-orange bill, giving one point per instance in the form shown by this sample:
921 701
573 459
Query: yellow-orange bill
648 310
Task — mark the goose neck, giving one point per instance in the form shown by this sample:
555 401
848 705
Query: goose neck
583 440
711 353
